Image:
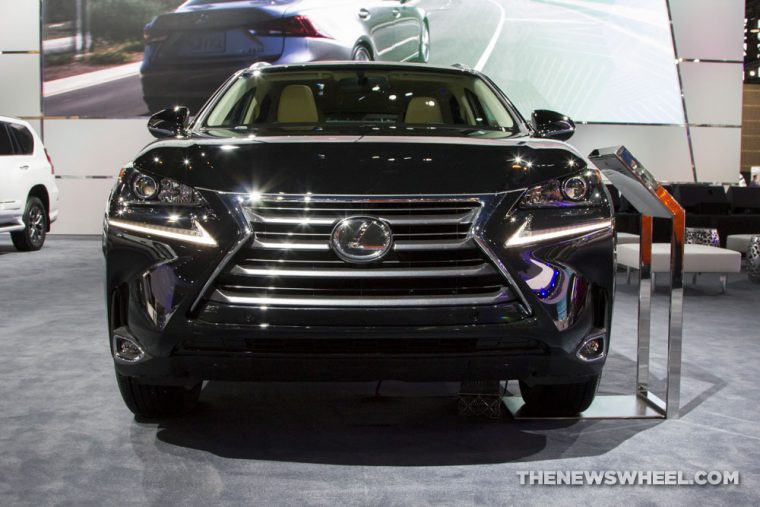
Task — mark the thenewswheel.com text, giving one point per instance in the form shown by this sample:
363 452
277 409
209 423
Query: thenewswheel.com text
626 478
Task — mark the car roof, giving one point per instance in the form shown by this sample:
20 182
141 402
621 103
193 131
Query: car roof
9 119
330 65
18 121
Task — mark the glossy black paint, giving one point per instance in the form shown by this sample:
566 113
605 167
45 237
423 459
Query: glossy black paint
169 122
153 284
328 162
552 125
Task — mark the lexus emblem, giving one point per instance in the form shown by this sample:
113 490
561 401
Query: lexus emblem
361 239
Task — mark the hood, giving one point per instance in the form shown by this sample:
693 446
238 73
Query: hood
359 164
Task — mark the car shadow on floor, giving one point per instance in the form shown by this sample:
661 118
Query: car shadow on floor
707 285
347 424
6 249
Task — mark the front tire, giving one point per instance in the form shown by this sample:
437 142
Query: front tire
35 230
559 399
156 401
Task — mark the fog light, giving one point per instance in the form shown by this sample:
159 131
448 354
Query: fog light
593 348
127 350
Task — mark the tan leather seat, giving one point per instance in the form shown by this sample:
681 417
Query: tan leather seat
423 110
297 105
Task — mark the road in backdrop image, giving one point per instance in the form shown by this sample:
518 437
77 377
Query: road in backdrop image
594 60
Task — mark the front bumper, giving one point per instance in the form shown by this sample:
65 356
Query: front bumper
340 353
159 297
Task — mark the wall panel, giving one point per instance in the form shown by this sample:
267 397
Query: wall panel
94 147
83 205
664 150
709 29
20 27
717 153
81 150
20 84
713 93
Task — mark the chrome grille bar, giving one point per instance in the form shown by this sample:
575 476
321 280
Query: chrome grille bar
224 296
391 219
399 245
434 261
359 210
483 269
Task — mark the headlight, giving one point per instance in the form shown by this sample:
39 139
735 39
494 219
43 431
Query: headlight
575 189
582 189
161 207
578 199
173 192
144 186
141 188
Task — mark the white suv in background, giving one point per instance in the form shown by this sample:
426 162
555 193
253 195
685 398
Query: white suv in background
28 193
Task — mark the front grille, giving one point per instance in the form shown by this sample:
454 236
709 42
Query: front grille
309 224
289 262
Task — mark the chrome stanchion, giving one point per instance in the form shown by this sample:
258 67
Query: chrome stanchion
645 305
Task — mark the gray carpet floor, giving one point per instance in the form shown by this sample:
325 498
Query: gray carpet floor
67 439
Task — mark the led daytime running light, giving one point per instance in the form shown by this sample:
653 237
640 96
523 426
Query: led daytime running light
197 234
525 237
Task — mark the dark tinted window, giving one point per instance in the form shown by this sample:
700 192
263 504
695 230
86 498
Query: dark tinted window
23 138
347 96
6 147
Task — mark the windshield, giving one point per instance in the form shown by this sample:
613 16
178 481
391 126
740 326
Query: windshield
359 96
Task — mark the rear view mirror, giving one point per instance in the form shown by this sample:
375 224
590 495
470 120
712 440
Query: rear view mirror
552 125
169 122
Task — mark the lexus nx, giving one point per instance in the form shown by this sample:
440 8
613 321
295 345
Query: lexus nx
359 221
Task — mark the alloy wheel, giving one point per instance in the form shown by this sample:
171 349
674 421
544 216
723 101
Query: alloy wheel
36 225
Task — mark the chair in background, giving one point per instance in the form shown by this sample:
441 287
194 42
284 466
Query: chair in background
702 236
753 259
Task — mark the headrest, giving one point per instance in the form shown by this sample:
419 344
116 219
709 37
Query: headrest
423 110
297 105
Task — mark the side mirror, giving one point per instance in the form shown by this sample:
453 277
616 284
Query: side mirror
169 122
553 125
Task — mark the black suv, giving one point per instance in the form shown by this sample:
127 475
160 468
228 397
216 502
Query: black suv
359 221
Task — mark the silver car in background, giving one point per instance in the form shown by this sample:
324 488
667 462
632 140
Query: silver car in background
190 52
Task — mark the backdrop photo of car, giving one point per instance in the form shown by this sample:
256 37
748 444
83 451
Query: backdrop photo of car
191 50
595 60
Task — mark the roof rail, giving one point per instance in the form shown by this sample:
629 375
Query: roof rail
259 65
462 66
